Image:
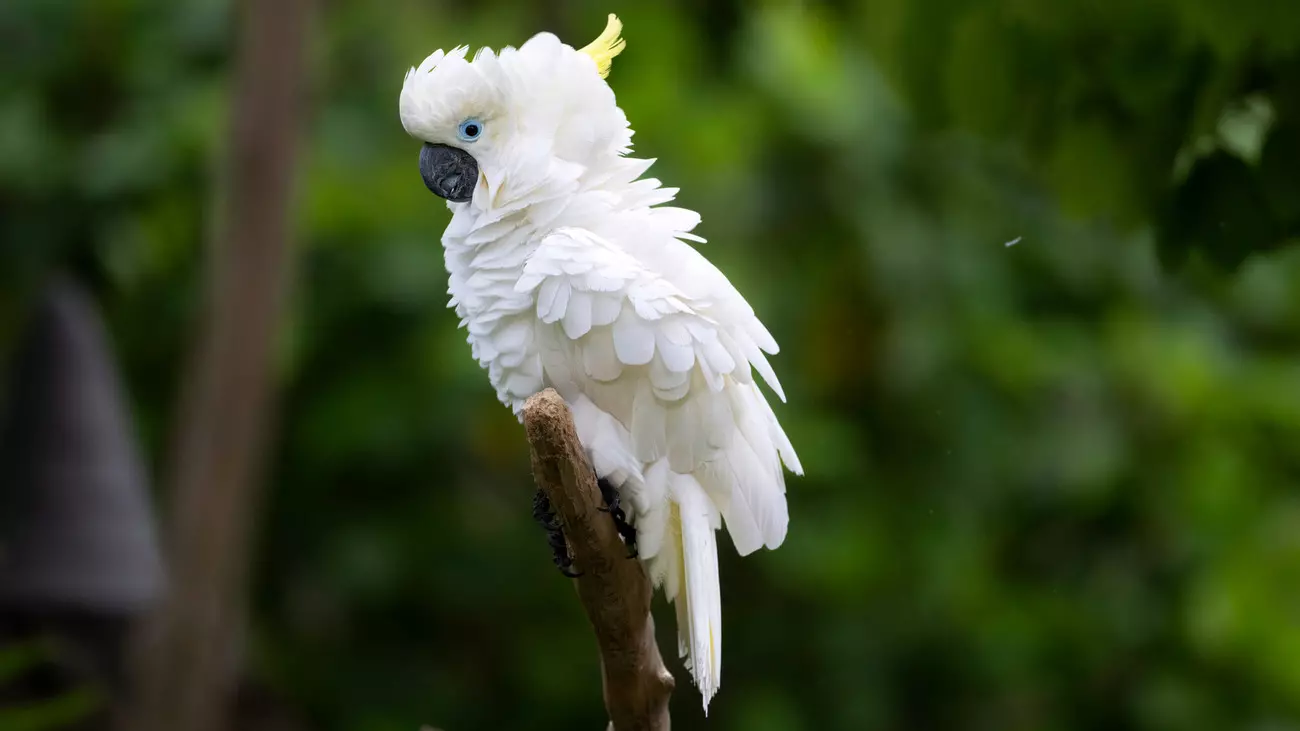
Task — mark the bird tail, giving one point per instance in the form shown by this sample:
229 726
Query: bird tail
698 595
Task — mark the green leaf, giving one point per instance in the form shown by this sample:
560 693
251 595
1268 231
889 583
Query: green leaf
53 714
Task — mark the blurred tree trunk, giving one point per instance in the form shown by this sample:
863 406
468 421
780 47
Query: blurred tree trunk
187 655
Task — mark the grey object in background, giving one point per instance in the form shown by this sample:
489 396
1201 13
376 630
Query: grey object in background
76 526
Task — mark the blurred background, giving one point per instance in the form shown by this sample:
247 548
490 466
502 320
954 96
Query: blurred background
1027 262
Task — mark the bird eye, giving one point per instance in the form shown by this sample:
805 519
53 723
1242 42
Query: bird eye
470 130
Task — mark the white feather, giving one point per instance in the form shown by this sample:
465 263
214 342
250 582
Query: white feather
678 358
652 518
649 426
577 317
598 357
634 341
605 308
701 633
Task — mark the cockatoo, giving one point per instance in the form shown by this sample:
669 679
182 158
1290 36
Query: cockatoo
569 272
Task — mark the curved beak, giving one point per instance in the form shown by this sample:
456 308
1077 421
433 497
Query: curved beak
449 172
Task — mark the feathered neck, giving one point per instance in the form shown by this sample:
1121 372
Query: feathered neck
520 201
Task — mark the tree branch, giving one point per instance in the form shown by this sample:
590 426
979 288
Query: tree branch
615 590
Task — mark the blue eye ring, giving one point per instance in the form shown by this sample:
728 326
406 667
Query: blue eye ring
470 130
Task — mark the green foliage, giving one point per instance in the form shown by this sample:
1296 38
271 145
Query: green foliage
51 715
59 712
1105 97
1050 486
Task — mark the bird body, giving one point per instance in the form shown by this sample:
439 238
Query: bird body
569 271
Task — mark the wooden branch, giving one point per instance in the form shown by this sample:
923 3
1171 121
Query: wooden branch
614 589
189 653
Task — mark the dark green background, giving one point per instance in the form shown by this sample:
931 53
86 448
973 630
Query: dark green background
1050 486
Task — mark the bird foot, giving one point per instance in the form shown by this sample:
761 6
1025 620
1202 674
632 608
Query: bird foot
615 510
545 516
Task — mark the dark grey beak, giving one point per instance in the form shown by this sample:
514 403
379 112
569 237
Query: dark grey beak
449 172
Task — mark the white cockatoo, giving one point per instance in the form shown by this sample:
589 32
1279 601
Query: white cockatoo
570 273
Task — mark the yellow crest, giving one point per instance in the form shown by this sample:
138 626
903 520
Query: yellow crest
606 46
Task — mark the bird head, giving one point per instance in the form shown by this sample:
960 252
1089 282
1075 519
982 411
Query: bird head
499 125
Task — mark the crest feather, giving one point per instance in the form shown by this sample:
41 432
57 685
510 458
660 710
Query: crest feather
606 46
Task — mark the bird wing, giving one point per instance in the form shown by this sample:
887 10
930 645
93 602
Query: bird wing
676 371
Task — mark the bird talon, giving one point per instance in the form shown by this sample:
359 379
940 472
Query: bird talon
615 510
545 516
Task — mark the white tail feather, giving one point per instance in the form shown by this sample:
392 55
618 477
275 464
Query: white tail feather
699 607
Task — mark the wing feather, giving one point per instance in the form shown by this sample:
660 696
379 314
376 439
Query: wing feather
577 316
674 370
634 340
